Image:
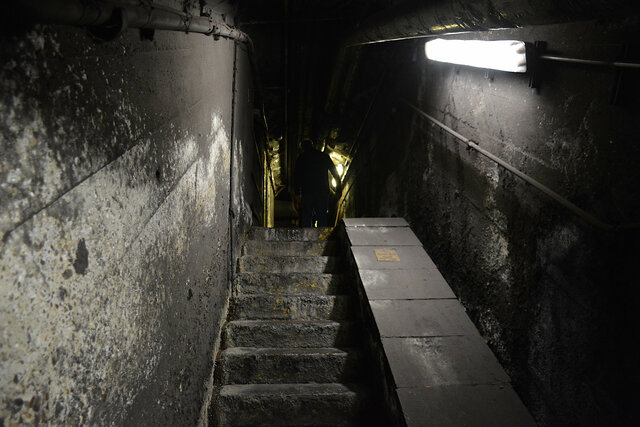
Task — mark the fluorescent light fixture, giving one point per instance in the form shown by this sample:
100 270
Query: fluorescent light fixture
340 169
505 55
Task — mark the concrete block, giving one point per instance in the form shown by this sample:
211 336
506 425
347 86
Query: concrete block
431 361
463 405
392 258
382 236
421 318
426 283
375 222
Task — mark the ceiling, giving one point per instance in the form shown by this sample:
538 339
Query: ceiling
308 54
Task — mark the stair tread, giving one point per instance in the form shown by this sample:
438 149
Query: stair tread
301 296
291 283
327 257
287 351
290 234
277 242
312 322
307 295
294 274
290 263
308 333
289 307
286 404
314 389
294 257
291 273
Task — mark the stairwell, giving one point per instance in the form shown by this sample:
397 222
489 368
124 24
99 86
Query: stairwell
290 353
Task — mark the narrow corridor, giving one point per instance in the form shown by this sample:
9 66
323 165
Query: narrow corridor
147 175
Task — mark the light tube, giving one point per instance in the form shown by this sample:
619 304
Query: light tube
504 55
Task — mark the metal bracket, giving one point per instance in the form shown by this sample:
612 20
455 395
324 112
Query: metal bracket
110 30
534 68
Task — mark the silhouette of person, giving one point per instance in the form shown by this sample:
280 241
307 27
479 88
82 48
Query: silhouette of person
312 184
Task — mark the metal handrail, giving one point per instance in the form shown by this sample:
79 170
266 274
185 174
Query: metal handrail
591 219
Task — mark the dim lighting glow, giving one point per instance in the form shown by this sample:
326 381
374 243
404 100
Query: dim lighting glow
334 184
340 169
505 55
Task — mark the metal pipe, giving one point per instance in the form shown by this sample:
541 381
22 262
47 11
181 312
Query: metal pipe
135 14
546 190
232 148
589 61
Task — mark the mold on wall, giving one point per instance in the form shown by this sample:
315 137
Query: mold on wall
114 219
552 295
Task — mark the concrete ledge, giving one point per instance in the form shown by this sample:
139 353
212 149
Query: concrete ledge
434 361
464 405
398 236
405 284
391 258
421 318
437 369
375 222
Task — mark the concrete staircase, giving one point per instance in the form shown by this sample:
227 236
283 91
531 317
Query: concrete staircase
290 352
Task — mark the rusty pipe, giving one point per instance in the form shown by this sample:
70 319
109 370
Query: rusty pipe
134 14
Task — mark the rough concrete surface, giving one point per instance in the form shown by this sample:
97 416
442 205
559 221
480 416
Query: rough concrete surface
289 283
284 352
288 264
292 404
114 200
284 333
291 307
249 365
553 296
261 247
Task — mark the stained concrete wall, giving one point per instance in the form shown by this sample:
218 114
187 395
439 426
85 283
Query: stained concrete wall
114 217
554 297
248 155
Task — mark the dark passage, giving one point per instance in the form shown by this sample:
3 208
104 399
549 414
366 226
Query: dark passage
141 142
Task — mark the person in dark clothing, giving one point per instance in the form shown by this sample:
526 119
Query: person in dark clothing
312 184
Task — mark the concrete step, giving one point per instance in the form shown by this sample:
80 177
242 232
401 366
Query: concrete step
288 264
296 248
290 307
287 333
250 365
290 234
290 283
289 404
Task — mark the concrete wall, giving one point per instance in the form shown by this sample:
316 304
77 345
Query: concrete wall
554 298
114 217
248 155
